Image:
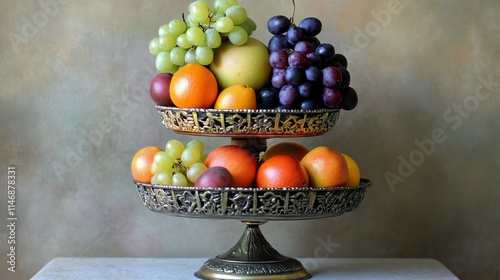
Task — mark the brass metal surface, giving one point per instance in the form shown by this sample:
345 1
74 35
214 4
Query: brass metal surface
249 123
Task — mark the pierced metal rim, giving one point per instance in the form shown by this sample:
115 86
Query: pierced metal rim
363 184
257 111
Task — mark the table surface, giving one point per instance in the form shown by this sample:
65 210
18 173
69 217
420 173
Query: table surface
183 268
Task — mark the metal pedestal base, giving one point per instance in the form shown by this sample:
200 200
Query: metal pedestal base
252 258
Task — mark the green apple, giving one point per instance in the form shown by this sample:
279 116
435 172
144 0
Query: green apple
247 65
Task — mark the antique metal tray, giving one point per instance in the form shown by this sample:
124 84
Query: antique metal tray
252 257
249 123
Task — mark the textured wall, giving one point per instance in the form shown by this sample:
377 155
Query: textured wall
74 107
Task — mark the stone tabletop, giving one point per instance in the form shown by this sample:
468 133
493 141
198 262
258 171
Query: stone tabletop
184 268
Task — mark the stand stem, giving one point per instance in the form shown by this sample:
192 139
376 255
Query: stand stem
252 258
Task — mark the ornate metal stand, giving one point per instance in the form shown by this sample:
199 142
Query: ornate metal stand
252 258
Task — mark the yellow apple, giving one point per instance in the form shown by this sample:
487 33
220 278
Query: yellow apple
247 65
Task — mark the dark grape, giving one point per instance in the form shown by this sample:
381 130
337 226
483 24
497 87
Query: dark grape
332 97
304 47
279 59
327 52
313 74
313 41
349 99
297 59
311 26
308 104
278 42
332 77
306 89
267 98
289 97
314 59
295 75
278 24
294 35
341 60
279 78
346 78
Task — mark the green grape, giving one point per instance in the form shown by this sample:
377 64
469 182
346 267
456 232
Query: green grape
195 170
204 55
214 16
177 27
237 14
164 178
183 42
163 63
223 5
177 56
191 21
224 25
196 36
238 36
162 163
203 157
167 42
213 38
173 69
196 144
174 148
190 56
246 28
179 179
200 10
251 24
154 46
190 156
164 29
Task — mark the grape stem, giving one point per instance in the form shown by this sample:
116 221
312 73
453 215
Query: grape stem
293 12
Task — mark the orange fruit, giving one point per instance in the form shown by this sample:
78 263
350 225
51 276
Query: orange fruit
193 86
353 174
238 160
236 97
326 168
286 148
141 164
282 171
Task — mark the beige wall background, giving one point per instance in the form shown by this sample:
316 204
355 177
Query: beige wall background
75 107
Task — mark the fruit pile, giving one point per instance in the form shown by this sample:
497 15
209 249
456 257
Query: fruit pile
307 74
193 39
284 165
293 71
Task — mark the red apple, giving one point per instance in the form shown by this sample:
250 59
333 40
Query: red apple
160 89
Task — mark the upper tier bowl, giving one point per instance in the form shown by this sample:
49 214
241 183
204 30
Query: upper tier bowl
249 123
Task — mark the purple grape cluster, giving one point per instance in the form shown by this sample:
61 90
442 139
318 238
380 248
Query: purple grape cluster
307 74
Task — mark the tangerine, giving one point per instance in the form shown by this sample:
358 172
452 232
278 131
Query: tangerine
141 164
238 160
353 174
236 97
193 86
282 171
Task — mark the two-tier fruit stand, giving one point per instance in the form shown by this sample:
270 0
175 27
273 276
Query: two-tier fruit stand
252 257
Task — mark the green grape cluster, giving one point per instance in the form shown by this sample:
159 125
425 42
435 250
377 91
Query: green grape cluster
178 165
194 38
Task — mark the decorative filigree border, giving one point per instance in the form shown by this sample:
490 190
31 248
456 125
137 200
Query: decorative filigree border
252 203
249 123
